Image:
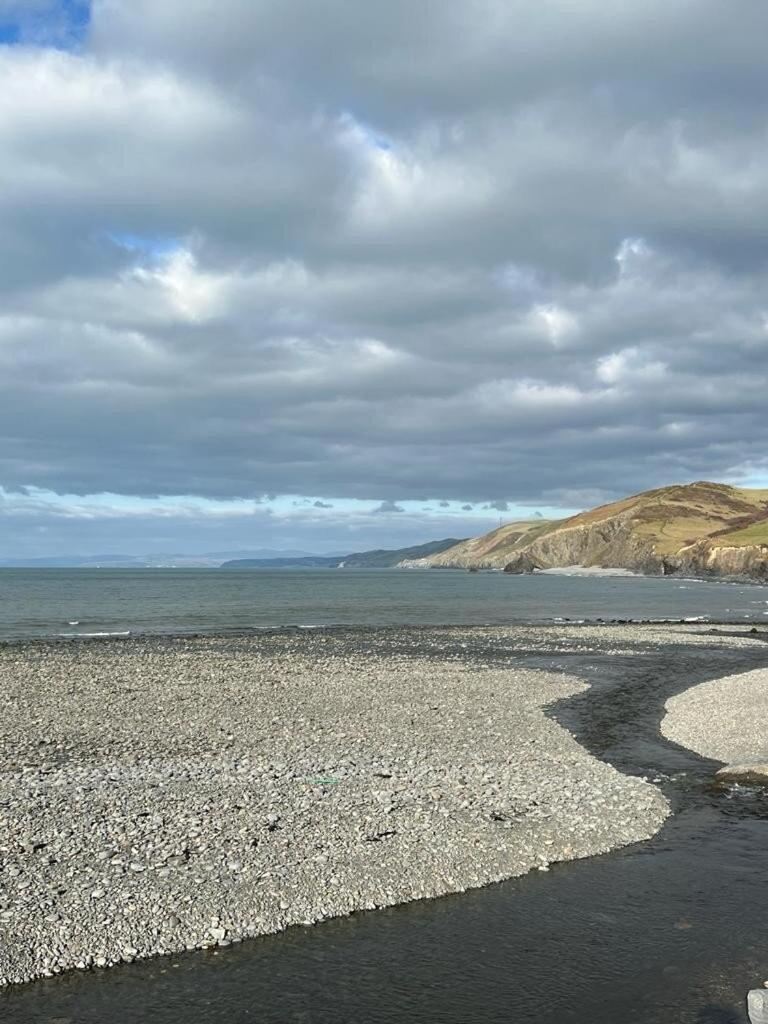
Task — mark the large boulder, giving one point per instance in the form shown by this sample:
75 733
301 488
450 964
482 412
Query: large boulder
523 563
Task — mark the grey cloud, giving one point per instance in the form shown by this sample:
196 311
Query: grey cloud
487 248
388 506
322 504
403 60
541 134
500 506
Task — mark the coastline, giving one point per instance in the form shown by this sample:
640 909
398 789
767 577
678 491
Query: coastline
605 572
587 570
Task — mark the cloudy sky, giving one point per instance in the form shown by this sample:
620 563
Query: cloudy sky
322 274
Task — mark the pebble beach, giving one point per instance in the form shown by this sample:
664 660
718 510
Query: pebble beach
724 719
160 795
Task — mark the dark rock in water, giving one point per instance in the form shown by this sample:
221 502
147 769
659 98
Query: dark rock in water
524 563
746 774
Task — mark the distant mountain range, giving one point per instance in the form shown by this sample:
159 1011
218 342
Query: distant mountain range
211 559
699 529
264 558
377 559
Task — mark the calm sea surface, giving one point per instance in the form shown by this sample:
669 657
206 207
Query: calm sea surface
76 602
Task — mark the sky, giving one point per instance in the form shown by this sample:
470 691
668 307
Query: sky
328 276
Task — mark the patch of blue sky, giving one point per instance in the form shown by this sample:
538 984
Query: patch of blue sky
155 246
288 506
466 510
374 138
78 13
756 479
10 33
62 24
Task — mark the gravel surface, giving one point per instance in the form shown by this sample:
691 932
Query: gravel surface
724 719
162 795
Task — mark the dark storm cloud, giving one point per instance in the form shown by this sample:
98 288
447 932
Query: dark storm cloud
486 251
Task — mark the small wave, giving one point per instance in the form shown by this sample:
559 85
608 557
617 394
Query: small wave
125 632
276 627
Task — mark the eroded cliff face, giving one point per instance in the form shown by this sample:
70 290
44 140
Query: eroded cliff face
706 559
613 544
460 560
609 544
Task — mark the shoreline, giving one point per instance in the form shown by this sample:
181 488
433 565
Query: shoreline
610 572
750 625
164 794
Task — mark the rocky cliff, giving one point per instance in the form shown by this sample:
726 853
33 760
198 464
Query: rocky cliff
702 529
707 559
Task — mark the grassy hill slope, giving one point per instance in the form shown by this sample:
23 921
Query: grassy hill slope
491 551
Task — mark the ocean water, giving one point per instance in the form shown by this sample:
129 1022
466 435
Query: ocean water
87 602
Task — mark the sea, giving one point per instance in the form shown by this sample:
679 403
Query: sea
74 603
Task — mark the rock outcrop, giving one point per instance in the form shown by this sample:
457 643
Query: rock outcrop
523 563
706 558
